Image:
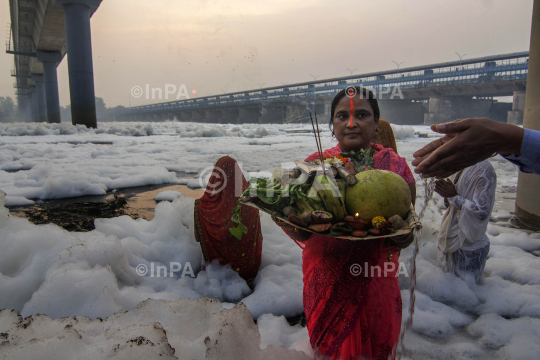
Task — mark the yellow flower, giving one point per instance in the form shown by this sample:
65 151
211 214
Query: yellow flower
377 219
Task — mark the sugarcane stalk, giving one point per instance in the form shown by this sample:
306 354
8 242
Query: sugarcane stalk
345 175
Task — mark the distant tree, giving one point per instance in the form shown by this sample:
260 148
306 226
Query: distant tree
117 108
101 108
6 108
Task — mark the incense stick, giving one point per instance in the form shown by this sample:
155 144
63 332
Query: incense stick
320 143
317 140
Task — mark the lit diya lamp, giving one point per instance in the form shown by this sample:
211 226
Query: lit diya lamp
355 222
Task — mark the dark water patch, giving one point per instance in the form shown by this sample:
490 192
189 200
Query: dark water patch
79 213
16 170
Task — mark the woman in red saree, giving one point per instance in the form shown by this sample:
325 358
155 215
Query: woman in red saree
351 315
212 215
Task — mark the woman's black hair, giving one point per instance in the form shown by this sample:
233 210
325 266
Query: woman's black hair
355 91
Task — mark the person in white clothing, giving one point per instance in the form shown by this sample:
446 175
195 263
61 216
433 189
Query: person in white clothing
469 196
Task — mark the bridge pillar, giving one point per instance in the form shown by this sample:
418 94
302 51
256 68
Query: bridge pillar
212 116
249 115
41 109
518 106
230 116
402 112
32 103
50 61
184 115
528 191
297 113
197 116
272 115
445 109
80 67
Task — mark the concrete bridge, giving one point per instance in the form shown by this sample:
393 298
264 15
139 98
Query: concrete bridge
418 95
41 33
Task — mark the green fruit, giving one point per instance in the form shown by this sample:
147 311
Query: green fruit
378 193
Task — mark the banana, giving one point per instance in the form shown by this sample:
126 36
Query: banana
303 205
342 184
329 191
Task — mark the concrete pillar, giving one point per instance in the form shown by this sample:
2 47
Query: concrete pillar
41 108
249 115
445 109
528 191
197 116
50 61
30 105
272 115
80 67
184 115
296 113
518 106
212 116
230 116
403 112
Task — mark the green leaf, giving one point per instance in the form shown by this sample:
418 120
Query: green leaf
238 231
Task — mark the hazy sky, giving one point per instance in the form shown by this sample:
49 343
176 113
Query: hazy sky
224 46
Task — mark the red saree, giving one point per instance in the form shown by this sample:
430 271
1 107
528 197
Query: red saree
348 316
212 215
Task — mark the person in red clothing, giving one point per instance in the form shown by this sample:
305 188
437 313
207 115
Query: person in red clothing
348 316
212 215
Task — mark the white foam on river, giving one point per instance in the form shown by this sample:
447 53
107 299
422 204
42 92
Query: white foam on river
47 270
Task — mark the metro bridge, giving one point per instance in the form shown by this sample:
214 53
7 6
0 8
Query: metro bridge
417 95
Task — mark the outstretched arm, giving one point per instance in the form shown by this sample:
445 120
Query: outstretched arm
466 142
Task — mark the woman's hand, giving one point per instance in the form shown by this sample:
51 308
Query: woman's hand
294 232
349 166
282 224
445 188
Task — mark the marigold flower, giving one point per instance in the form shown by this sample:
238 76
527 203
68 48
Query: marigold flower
377 220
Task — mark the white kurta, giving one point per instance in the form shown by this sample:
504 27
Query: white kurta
464 224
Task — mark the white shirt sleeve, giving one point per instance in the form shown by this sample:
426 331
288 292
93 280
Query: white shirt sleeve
475 201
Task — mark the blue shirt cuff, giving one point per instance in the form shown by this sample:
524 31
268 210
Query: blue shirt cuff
529 160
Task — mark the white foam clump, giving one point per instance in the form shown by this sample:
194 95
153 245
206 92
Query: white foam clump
97 272
171 330
513 339
167 195
248 131
54 181
402 132
17 201
275 330
40 129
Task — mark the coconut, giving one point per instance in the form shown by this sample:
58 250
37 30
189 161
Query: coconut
378 193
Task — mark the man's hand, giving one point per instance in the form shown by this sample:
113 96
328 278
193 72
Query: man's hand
466 142
445 188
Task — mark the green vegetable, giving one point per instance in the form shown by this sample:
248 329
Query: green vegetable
361 159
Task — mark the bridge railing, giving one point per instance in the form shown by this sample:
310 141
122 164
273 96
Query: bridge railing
470 72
